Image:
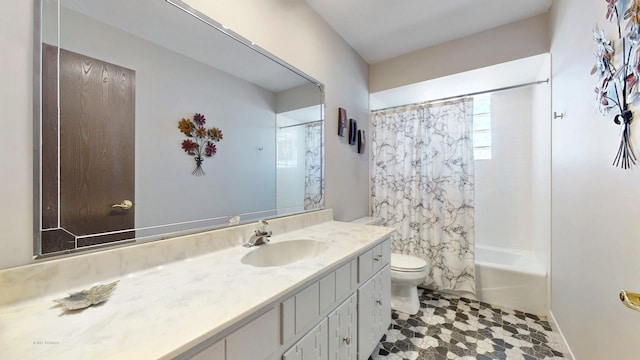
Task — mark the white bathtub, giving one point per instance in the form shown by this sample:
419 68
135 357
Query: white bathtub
511 278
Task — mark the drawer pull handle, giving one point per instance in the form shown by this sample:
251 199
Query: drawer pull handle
347 340
379 302
378 258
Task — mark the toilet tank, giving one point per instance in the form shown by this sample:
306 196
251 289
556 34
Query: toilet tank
368 220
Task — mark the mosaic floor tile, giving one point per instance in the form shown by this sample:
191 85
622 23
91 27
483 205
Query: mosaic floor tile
452 327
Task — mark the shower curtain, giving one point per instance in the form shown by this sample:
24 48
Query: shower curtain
313 179
422 184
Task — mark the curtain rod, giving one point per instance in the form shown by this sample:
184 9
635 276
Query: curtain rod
465 95
304 123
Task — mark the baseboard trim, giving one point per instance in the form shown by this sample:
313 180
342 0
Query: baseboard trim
554 325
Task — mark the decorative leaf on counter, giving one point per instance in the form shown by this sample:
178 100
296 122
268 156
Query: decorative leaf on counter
86 298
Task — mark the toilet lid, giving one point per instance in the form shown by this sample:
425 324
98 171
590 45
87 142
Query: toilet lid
407 263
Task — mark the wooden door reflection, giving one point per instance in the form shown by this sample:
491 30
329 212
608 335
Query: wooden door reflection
96 151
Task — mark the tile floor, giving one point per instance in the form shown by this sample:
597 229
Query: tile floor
452 327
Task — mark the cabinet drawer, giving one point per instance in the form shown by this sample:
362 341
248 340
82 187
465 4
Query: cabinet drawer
386 252
261 336
307 306
346 279
327 291
301 309
365 266
212 352
373 260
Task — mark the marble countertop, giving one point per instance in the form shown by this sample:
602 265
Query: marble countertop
163 311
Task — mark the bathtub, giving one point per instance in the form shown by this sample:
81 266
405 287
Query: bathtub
511 278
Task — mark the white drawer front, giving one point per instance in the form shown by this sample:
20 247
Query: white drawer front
256 340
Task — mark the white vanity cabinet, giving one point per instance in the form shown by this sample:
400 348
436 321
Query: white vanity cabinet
340 316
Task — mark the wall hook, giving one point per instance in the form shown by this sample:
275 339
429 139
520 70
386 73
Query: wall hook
558 115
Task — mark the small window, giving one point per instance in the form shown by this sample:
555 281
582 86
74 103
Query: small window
482 127
287 156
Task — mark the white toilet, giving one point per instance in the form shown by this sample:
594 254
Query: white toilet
407 272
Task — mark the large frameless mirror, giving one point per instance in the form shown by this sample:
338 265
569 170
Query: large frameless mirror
154 120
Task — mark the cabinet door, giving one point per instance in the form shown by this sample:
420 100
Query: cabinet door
342 331
313 346
382 302
366 320
374 312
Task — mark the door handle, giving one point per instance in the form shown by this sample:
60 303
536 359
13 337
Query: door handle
630 300
124 205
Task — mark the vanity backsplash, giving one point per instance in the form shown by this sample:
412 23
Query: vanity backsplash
82 270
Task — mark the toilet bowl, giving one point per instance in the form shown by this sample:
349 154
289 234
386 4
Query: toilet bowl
407 272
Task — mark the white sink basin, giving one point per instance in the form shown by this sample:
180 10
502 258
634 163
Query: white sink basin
284 253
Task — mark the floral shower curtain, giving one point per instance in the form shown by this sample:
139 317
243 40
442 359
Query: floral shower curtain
422 184
313 179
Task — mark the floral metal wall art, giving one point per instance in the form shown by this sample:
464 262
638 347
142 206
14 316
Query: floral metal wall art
618 70
201 141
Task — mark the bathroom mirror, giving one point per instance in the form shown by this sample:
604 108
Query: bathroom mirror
115 78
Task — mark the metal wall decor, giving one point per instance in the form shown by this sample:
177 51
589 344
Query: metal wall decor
201 141
361 142
354 135
353 131
342 121
618 69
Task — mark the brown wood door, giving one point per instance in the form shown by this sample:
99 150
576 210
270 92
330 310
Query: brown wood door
97 147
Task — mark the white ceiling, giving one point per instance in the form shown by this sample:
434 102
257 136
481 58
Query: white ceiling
382 29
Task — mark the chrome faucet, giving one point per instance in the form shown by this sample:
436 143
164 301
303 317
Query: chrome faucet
261 235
